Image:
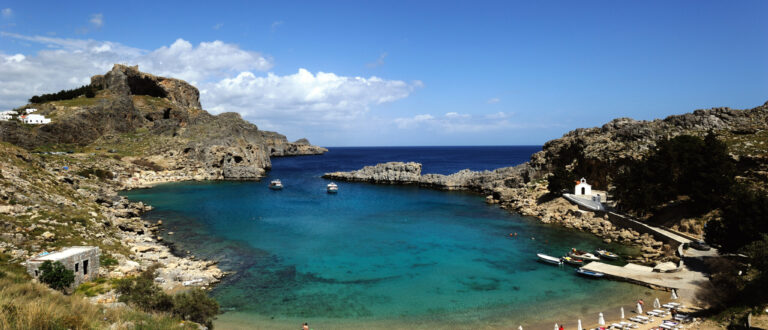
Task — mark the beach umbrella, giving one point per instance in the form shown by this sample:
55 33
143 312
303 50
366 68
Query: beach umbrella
622 312
580 328
656 303
639 308
600 319
520 328
674 294
556 327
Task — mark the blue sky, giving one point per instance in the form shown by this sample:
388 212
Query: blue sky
406 73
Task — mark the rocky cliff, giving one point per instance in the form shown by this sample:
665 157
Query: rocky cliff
142 116
596 152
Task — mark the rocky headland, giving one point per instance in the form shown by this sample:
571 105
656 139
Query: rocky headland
59 182
595 153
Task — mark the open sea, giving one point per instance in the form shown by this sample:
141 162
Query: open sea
380 256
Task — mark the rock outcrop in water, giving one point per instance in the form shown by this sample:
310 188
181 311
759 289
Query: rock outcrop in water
410 173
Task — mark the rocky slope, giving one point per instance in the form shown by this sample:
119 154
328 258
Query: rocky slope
140 115
596 152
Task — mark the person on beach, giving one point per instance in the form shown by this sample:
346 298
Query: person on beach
561 327
305 326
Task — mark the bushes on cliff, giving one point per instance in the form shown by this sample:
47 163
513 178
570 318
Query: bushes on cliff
195 306
68 94
686 165
55 275
560 180
745 220
142 292
148 164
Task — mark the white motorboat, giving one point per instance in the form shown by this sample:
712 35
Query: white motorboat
333 188
548 259
275 185
582 255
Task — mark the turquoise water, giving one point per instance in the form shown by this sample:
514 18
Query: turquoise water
374 252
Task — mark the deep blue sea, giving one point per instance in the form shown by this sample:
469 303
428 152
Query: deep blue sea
379 256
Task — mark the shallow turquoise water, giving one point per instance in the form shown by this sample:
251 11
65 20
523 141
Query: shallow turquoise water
373 252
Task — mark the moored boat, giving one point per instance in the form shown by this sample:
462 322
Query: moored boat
582 255
275 185
588 273
333 188
548 259
605 254
573 261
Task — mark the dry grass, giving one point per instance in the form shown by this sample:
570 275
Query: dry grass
28 305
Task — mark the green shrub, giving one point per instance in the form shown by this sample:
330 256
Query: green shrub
106 261
56 276
148 164
195 306
97 172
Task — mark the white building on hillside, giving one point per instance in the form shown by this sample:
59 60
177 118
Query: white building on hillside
30 110
5 115
583 188
34 119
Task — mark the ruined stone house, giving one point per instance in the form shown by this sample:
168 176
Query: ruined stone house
82 260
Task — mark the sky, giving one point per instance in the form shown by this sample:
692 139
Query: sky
364 73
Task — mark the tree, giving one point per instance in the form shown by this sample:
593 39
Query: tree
56 276
196 306
686 165
744 220
560 180
143 293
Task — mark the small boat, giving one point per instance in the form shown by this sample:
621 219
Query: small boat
582 255
333 188
588 273
275 185
573 261
605 254
549 259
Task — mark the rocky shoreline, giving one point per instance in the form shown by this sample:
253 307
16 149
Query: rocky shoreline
508 188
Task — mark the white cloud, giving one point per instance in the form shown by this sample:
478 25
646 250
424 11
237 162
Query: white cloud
454 122
456 115
413 121
218 26
498 115
493 100
97 20
379 61
7 12
302 97
228 77
275 25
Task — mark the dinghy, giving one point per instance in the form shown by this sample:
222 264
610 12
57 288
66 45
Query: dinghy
549 259
605 254
583 255
588 273
573 261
